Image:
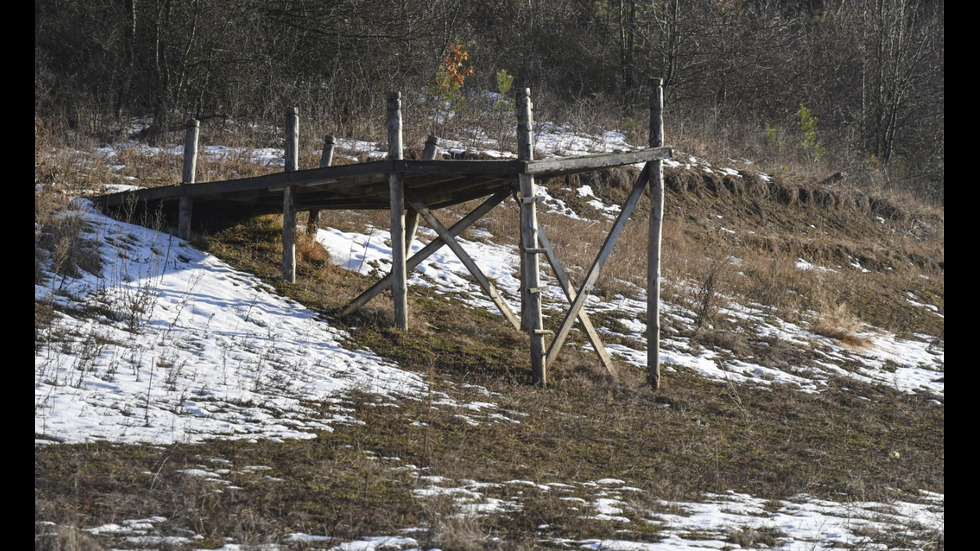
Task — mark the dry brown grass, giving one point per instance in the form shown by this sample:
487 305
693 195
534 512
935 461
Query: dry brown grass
577 243
839 323
59 235
65 538
449 529
60 239
691 437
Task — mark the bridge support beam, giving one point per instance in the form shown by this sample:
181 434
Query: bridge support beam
396 186
326 159
186 206
289 197
531 317
656 227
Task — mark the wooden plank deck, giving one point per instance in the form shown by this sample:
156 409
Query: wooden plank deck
365 185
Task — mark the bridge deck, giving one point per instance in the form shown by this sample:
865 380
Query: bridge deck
365 185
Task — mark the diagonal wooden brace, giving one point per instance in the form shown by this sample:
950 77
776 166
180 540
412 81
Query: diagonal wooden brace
427 251
463 256
570 294
600 260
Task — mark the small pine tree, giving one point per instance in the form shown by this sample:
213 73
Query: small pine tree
806 123
504 83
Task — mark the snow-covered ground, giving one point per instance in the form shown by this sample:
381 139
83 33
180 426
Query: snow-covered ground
721 521
172 345
909 365
169 344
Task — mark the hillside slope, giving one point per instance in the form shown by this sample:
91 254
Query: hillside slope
201 407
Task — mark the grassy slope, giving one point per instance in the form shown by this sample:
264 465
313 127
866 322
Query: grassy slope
692 437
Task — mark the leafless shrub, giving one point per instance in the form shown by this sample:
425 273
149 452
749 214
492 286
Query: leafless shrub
707 297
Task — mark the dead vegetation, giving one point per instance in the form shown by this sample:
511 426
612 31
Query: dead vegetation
727 240
692 438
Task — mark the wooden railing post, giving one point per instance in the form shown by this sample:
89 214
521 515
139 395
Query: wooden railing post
326 159
431 148
411 216
399 286
656 227
531 317
186 207
289 197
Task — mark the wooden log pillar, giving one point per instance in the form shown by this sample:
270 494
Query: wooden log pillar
431 148
289 197
399 272
186 207
656 227
326 159
411 215
531 317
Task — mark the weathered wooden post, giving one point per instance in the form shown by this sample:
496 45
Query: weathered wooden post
289 197
186 207
326 159
656 226
531 317
411 216
431 148
399 286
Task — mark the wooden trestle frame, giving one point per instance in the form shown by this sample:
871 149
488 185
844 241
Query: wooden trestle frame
412 189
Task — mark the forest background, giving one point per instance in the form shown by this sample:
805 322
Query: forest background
810 86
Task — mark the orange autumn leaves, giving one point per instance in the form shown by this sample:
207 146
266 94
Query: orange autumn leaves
452 72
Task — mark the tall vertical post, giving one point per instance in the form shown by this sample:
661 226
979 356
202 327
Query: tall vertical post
531 317
431 148
326 159
411 216
656 227
190 170
289 197
399 287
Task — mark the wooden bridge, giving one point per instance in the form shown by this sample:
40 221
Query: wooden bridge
412 189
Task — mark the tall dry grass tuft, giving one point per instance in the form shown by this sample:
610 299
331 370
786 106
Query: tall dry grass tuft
449 528
839 323
60 244
309 253
65 538
775 283
63 165
60 241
